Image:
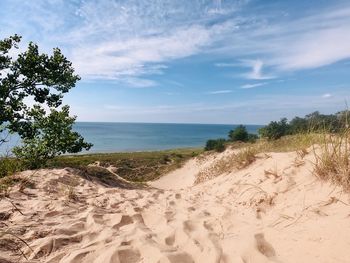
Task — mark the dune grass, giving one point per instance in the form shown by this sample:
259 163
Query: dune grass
136 167
333 159
132 166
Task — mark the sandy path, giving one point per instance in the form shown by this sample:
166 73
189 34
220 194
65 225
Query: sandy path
285 215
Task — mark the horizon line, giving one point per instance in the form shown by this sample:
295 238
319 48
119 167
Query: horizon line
189 123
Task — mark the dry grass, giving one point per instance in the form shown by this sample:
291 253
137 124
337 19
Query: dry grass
71 194
239 160
297 142
245 157
333 159
247 153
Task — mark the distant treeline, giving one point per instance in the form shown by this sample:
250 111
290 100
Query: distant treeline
314 122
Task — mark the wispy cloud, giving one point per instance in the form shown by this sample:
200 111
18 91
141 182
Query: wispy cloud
254 85
134 39
326 95
227 65
257 70
220 91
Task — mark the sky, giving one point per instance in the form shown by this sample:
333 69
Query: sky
194 61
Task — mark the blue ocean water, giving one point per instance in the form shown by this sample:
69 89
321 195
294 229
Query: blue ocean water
120 137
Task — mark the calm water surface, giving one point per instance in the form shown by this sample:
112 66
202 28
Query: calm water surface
117 137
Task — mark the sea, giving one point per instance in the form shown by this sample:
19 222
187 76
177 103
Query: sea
108 137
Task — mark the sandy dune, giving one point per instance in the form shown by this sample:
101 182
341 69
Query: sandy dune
275 210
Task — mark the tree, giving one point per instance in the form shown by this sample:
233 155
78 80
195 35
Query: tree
299 125
239 134
275 129
44 79
54 136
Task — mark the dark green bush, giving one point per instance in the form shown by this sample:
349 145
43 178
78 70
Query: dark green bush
275 129
238 134
217 145
252 137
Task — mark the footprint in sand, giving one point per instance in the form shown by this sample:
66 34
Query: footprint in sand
191 209
169 216
125 220
189 226
127 256
137 209
170 240
261 252
263 246
180 257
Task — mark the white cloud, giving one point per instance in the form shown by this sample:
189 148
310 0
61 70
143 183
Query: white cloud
138 56
327 95
250 86
220 91
117 40
227 65
257 70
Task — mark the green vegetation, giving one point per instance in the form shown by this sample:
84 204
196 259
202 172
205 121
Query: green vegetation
217 145
45 130
333 159
311 123
133 166
275 129
9 166
54 136
238 135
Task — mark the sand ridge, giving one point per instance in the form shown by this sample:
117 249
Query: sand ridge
275 210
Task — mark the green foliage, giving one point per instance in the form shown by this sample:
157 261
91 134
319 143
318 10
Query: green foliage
44 79
217 145
275 129
252 137
311 123
239 134
9 166
39 76
133 166
54 136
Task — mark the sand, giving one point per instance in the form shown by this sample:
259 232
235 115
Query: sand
275 210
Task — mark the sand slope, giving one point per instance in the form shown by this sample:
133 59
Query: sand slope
275 210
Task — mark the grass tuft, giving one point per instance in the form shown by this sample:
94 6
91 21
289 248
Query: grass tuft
245 157
333 159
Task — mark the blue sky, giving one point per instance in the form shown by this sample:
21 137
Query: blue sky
198 61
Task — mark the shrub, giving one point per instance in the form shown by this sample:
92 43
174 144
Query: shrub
239 134
252 137
275 129
9 166
217 145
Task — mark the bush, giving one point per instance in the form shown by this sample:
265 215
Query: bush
9 166
217 145
275 129
252 137
239 134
